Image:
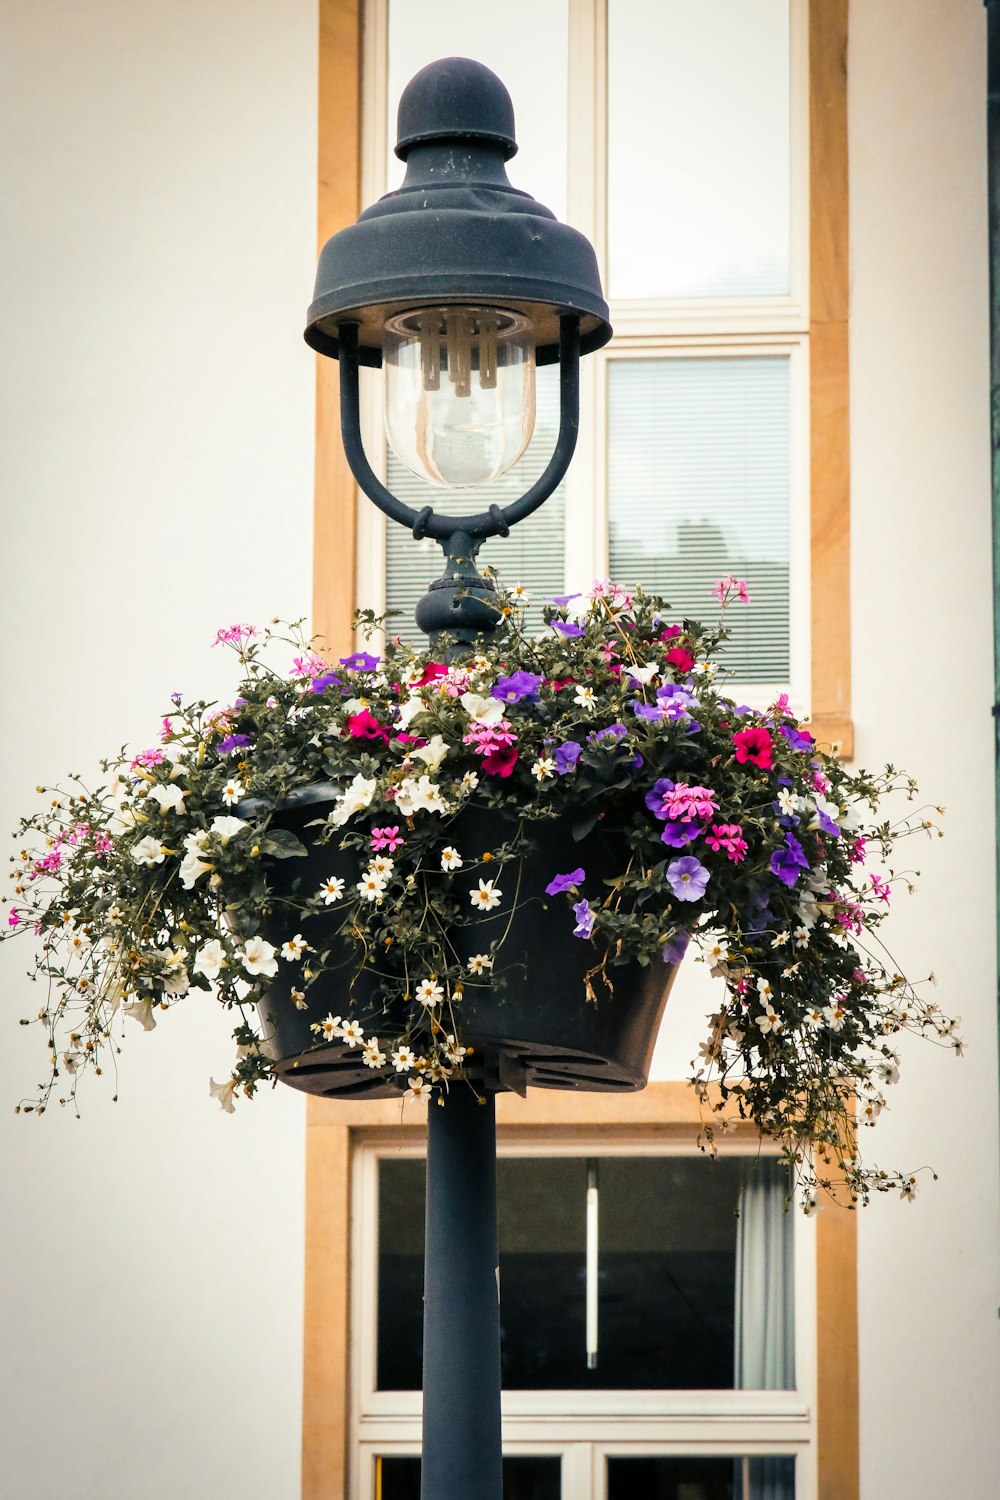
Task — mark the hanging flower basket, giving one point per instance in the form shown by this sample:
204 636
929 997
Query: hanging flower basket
526 1027
415 866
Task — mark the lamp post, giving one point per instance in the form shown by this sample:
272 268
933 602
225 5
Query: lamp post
459 285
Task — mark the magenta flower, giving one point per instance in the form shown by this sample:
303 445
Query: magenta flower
310 665
728 836
500 762
487 739
365 726
754 746
387 838
687 802
880 888
13 918
565 882
687 878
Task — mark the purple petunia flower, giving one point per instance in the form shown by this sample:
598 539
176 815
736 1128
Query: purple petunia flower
788 863
687 878
517 687
232 743
565 882
360 661
675 700
610 732
826 823
567 757
676 834
567 627
328 679
584 919
798 739
675 947
561 599
650 711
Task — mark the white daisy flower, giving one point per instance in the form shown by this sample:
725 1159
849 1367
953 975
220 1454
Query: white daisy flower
372 887
585 697
769 1021
232 791
418 1088
543 768
298 999
352 1033
329 1028
381 864
450 859
487 896
479 963
429 993
470 781
331 890
294 948
402 1059
373 1056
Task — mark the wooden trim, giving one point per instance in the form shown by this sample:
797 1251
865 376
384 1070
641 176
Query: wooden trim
338 204
837 1410
828 384
325 1410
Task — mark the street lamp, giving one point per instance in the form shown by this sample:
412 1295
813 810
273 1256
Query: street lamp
459 285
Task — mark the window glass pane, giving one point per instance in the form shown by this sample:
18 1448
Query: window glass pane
699 487
693 1279
536 76
533 553
701 1478
698 148
523 1478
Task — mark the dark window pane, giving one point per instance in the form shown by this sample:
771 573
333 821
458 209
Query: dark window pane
523 1479
689 1478
666 1274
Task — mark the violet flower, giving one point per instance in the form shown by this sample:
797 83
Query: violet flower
687 878
565 882
584 919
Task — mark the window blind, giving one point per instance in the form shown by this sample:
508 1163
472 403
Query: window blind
698 487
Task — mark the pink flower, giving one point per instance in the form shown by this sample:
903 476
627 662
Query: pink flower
681 659
167 732
880 888
754 745
310 665
102 844
728 836
688 802
13 918
724 588
147 758
487 739
820 783
858 850
386 838
234 635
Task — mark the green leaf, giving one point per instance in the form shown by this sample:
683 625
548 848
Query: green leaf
584 825
282 844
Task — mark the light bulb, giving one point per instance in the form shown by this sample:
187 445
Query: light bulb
459 391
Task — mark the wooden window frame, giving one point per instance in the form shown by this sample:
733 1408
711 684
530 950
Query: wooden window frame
669 1108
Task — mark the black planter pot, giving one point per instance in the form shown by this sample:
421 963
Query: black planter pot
536 1029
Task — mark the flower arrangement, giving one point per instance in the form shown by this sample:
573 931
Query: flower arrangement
732 833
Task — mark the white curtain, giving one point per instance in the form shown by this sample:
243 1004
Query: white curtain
765 1300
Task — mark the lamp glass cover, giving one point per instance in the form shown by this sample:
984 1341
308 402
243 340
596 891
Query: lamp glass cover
459 391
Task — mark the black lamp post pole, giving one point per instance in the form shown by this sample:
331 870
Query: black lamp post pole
461 1423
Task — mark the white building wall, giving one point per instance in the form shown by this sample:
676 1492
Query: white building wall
157 193
158 248
929 1285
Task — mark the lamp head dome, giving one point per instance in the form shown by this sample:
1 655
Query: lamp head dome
455 99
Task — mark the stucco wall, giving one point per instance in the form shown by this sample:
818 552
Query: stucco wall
930 1385
158 202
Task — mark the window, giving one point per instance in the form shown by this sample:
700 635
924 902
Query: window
656 1317
686 161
